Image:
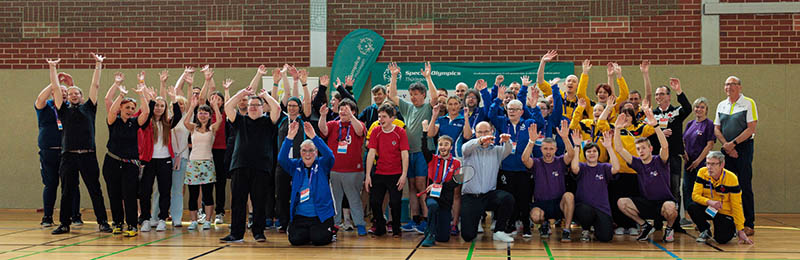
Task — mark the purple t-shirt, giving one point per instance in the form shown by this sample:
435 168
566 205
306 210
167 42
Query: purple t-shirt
696 137
593 186
548 179
653 178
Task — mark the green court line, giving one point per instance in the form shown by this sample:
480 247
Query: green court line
471 249
137 246
635 257
60 252
547 248
60 247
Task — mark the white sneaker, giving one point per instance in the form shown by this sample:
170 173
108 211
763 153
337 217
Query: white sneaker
619 231
153 222
192 226
480 227
493 223
219 219
145 226
502 236
633 231
207 225
176 223
162 226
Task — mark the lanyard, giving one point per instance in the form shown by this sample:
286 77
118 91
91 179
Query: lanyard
447 166
512 126
311 175
474 121
347 136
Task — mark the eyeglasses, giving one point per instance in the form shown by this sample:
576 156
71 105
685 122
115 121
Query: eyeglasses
661 94
515 109
485 132
292 105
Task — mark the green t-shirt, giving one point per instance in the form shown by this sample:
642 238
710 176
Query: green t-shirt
413 118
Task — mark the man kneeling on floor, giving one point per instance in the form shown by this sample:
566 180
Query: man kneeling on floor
311 208
718 197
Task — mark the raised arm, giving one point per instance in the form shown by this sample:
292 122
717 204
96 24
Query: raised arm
98 66
230 105
623 86
303 74
348 81
144 116
162 78
182 80
431 87
114 108
391 91
433 129
662 139
208 74
563 132
190 114
274 107
41 99
216 101
648 87
227 86
58 97
577 115
584 80
613 159
576 143
626 156
322 124
540 82
526 154
467 130
610 74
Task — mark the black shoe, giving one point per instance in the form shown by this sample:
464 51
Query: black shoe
260 237
47 221
282 229
104 227
679 229
61 229
647 230
231 239
76 220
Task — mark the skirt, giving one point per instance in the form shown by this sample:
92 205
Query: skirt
200 172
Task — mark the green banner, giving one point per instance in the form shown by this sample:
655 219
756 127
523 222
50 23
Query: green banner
355 56
448 75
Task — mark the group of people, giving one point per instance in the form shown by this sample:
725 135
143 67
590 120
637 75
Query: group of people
537 153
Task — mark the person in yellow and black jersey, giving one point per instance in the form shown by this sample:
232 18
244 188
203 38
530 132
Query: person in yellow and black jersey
592 129
718 197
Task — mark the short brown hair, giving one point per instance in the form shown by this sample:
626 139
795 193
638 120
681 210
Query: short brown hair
640 140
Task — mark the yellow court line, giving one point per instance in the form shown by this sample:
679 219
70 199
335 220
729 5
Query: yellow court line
778 227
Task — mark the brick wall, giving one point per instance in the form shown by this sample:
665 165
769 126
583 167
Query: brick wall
244 33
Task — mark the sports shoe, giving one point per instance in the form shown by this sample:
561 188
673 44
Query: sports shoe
421 227
704 236
260 237
527 233
389 228
76 220
544 230
634 231
153 222
362 231
219 219
480 227
117 229
201 216
282 229
192 226
207 225
372 230
47 221
647 230
408 227
502 236
454 230
429 240
162 226
686 222
231 239
585 236
250 221
669 235
493 224
177 223
104 227
347 226
268 225
566 235
146 226
277 224
61 229
619 231
131 231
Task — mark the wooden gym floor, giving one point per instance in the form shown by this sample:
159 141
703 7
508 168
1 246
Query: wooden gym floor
777 237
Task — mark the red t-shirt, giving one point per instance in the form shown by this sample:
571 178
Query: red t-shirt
452 166
351 160
388 146
219 137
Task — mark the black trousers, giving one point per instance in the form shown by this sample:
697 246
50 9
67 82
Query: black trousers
86 165
743 168
588 216
380 185
222 179
160 169
194 192
625 186
248 182
724 227
122 181
473 207
519 185
48 166
675 171
283 190
304 230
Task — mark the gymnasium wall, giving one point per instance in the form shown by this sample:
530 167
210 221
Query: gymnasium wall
236 36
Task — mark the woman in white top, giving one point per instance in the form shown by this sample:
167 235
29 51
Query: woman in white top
180 146
200 170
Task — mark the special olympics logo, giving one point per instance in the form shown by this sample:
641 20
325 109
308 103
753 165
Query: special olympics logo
365 46
387 75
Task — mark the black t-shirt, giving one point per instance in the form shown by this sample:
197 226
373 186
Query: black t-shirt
122 138
78 122
283 131
254 143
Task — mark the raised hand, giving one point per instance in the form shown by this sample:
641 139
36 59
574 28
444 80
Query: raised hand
303 74
499 80
323 110
612 101
501 90
426 72
563 130
276 73
549 56
436 108
140 89
293 72
53 62
171 92
338 83
262 70
526 81
577 138
617 70
324 80
619 123
215 100
582 102
140 77
98 58
645 66
118 77
227 83
189 78
555 81
163 76
675 84
610 68
349 80
586 66
193 101
532 133
425 125
394 69
608 136
504 138
188 70
651 120
208 72
480 84
122 90
309 130
293 127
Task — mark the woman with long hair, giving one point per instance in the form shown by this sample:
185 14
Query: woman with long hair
200 172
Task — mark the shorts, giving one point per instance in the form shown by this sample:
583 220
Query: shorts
649 209
417 167
551 208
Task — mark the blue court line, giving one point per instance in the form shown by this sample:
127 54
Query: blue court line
665 250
